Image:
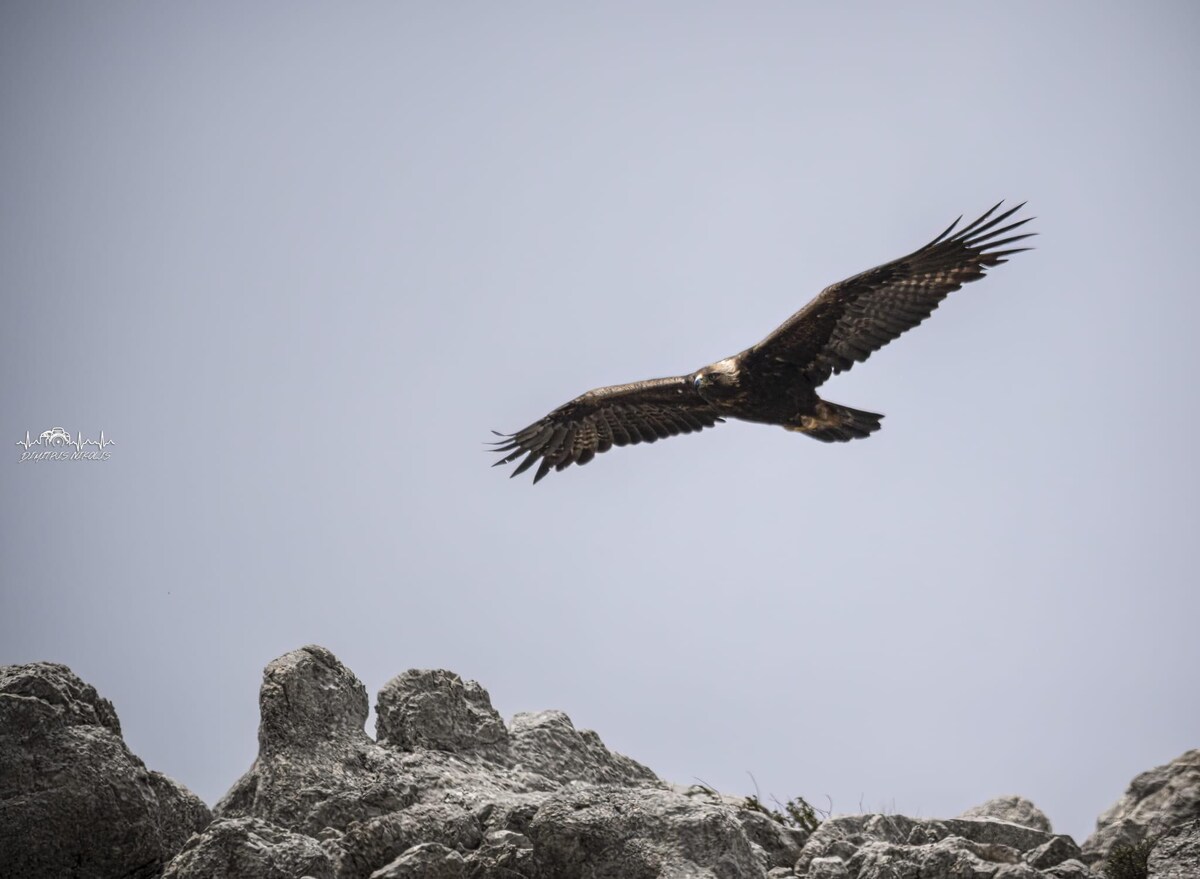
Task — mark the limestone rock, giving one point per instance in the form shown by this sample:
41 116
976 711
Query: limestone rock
249 848
989 831
827 868
949 858
426 861
871 846
546 742
64 769
503 855
1014 809
1176 854
1052 853
1071 869
610 832
842 836
439 710
367 844
446 770
779 845
316 767
475 783
513 815
450 791
1154 802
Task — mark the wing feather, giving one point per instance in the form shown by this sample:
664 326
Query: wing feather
854 318
594 422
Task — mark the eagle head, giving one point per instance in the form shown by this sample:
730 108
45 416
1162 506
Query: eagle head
719 381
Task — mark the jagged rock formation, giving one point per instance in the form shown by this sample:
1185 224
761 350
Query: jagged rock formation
1014 809
438 710
547 743
317 770
73 800
1176 855
1154 802
429 860
964 848
624 833
449 791
464 794
233 848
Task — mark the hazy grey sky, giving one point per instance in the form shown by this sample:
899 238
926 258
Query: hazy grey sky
296 260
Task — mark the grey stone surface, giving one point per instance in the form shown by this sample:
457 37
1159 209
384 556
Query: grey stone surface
780 846
828 868
989 830
546 742
367 844
449 792
1014 809
1052 853
842 836
249 848
504 854
437 709
949 858
641 833
316 766
1071 869
74 801
447 772
429 860
1154 802
1176 854
888 846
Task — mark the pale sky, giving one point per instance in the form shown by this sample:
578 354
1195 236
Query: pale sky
297 260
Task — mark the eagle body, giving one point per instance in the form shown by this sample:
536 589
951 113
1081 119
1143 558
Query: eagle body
776 380
745 388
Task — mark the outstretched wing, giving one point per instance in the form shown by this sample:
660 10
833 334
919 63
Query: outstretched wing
619 415
854 318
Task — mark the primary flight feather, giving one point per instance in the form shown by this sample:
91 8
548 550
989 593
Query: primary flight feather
775 381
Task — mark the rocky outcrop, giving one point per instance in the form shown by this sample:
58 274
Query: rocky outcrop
1154 802
547 743
1176 854
449 791
446 771
622 833
436 709
241 848
503 855
317 769
367 845
429 860
869 846
74 801
777 842
1013 809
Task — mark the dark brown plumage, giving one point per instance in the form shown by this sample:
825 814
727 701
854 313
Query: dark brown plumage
775 381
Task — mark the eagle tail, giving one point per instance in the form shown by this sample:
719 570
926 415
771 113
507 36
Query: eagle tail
834 423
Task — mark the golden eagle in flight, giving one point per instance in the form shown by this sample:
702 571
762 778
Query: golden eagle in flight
775 381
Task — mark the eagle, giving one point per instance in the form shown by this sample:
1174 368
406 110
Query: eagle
776 381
